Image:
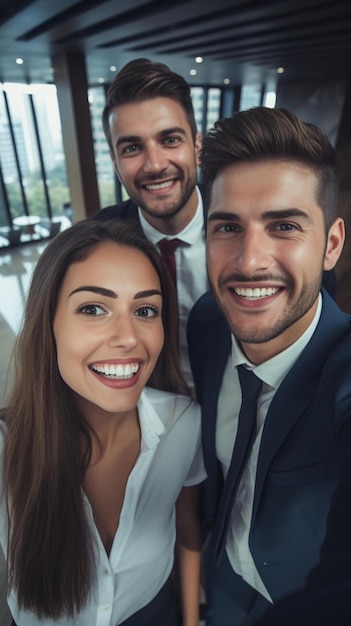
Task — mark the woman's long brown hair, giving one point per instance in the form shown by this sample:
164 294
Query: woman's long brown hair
51 551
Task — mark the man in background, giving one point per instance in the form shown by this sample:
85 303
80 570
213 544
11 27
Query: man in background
150 127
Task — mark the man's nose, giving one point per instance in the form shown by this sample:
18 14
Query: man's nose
254 252
155 159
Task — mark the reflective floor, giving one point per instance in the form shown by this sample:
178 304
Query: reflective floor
16 266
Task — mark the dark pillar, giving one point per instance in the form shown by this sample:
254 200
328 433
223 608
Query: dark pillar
72 94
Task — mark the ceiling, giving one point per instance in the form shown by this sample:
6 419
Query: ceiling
239 40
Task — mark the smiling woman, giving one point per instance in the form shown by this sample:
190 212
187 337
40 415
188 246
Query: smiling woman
109 338
100 443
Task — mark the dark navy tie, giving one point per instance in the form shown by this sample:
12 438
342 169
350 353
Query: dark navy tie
250 388
167 248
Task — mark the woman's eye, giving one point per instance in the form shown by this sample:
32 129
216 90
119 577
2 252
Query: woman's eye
147 311
91 309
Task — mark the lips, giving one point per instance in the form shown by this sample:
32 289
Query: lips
255 293
159 186
116 371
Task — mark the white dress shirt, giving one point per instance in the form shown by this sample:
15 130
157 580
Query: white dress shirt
192 281
272 373
141 556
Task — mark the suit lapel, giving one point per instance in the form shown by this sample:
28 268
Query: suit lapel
298 389
213 380
218 353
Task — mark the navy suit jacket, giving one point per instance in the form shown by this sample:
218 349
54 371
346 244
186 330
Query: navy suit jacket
306 437
326 599
127 209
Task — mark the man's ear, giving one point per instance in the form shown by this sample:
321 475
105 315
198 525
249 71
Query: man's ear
335 243
198 146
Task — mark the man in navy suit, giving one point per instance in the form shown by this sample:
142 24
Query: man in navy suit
150 127
272 229
326 598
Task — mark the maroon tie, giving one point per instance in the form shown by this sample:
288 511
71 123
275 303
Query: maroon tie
167 248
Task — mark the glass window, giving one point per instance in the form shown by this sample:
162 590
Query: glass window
27 148
32 160
197 96
213 106
50 134
8 165
250 96
104 168
269 99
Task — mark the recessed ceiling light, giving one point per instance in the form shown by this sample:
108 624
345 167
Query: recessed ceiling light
280 70
113 68
101 80
226 81
19 61
198 59
193 72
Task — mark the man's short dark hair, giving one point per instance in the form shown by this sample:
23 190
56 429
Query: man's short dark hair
142 79
261 134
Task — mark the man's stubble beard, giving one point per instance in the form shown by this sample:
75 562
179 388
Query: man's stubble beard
290 316
159 212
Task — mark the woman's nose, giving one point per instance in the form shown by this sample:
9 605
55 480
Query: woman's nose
123 333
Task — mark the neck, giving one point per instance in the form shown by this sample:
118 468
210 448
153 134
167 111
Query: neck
174 224
111 430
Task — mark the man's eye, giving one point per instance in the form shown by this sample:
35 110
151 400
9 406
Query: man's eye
286 227
226 228
91 309
130 149
171 140
147 311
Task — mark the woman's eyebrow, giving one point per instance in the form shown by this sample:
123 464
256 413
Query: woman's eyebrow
99 290
147 293
111 294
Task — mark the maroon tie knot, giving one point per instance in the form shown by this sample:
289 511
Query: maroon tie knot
167 248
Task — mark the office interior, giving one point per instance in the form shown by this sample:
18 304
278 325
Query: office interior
57 60
234 54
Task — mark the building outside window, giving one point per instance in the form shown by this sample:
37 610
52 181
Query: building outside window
32 164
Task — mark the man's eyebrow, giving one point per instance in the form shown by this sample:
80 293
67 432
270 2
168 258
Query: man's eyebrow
101 291
128 139
222 215
163 133
171 131
286 213
267 215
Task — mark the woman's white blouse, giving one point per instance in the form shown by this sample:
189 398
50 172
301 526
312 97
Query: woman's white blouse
141 557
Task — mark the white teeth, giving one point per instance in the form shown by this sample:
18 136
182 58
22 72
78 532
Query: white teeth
255 293
155 186
117 371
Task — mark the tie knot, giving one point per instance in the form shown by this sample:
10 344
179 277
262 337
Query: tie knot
250 384
168 246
